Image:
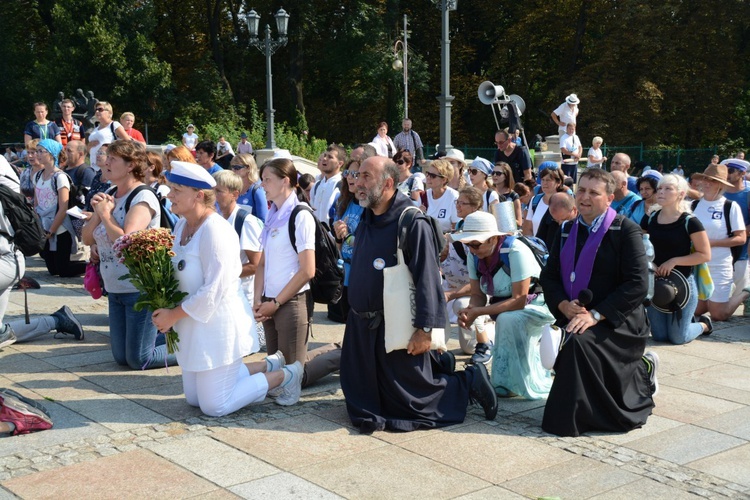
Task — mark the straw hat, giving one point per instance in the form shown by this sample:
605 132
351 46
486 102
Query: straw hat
716 173
478 226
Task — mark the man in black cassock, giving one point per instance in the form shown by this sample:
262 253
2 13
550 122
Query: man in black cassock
603 381
411 388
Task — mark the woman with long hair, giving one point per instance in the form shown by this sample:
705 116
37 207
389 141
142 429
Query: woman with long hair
345 222
252 194
505 185
673 230
282 299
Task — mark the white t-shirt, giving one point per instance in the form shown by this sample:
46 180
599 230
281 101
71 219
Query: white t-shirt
535 216
8 176
566 115
572 143
110 267
323 193
245 147
444 208
281 259
597 154
190 140
711 215
46 199
413 183
494 198
104 136
249 240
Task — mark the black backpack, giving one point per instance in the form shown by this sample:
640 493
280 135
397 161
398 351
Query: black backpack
409 215
327 286
736 250
29 236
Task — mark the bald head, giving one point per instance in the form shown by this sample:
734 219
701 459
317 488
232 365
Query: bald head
620 162
562 207
621 183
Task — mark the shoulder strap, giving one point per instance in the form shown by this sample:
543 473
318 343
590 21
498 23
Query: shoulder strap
535 202
239 220
487 198
504 249
293 225
694 204
135 191
112 128
315 188
727 209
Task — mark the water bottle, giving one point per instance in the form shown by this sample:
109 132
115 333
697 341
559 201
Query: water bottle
340 265
650 254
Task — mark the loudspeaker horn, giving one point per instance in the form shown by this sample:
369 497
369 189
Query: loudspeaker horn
519 102
489 93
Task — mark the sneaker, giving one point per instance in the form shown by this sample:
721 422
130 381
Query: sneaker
482 392
7 337
25 417
446 362
482 353
26 400
706 320
276 361
67 323
653 359
291 392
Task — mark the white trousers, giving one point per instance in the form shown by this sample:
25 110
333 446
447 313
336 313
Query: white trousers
225 389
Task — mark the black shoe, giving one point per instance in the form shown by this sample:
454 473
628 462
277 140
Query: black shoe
706 320
67 323
26 400
446 362
482 392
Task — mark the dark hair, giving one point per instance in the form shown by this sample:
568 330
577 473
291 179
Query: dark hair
403 154
346 196
306 180
340 152
598 174
653 182
509 180
557 174
383 124
133 153
155 160
284 167
208 147
521 189
40 103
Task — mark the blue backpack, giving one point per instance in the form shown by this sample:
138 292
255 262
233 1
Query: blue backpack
538 249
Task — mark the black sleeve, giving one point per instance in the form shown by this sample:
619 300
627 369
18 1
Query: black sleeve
554 293
694 225
425 270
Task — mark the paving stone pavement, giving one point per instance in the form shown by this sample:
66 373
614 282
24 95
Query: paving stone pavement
125 434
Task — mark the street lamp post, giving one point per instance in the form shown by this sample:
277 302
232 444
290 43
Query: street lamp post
445 98
398 64
268 46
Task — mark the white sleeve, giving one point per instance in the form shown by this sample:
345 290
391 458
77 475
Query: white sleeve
735 217
250 237
304 231
62 181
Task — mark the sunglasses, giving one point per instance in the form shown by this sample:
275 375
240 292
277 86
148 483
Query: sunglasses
350 173
497 173
400 162
238 167
434 176
100 109
475 171
474 244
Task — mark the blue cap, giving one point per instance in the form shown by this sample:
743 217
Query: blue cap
548 164
190 174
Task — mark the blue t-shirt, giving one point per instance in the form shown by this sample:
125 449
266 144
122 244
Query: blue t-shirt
36 131
741 198
255 198
352 216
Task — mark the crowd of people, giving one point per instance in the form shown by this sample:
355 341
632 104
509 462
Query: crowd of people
509 258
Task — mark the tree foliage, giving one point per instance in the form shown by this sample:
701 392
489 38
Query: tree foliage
671 72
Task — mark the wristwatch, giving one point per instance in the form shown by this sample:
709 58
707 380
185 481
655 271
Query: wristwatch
427 329
595 314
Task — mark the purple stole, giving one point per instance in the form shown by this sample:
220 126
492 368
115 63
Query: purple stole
577 278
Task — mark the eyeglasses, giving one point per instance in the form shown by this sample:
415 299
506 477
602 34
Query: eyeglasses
42 151
99 110
434 176
350 173
460 203
101 153
238 167
497 173
474 244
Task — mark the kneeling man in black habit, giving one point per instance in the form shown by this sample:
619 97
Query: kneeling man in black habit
595 282
405 389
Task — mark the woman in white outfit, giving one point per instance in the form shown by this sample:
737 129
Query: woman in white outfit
212 320
382 143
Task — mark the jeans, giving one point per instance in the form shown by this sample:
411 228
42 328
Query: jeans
133 336
666 327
